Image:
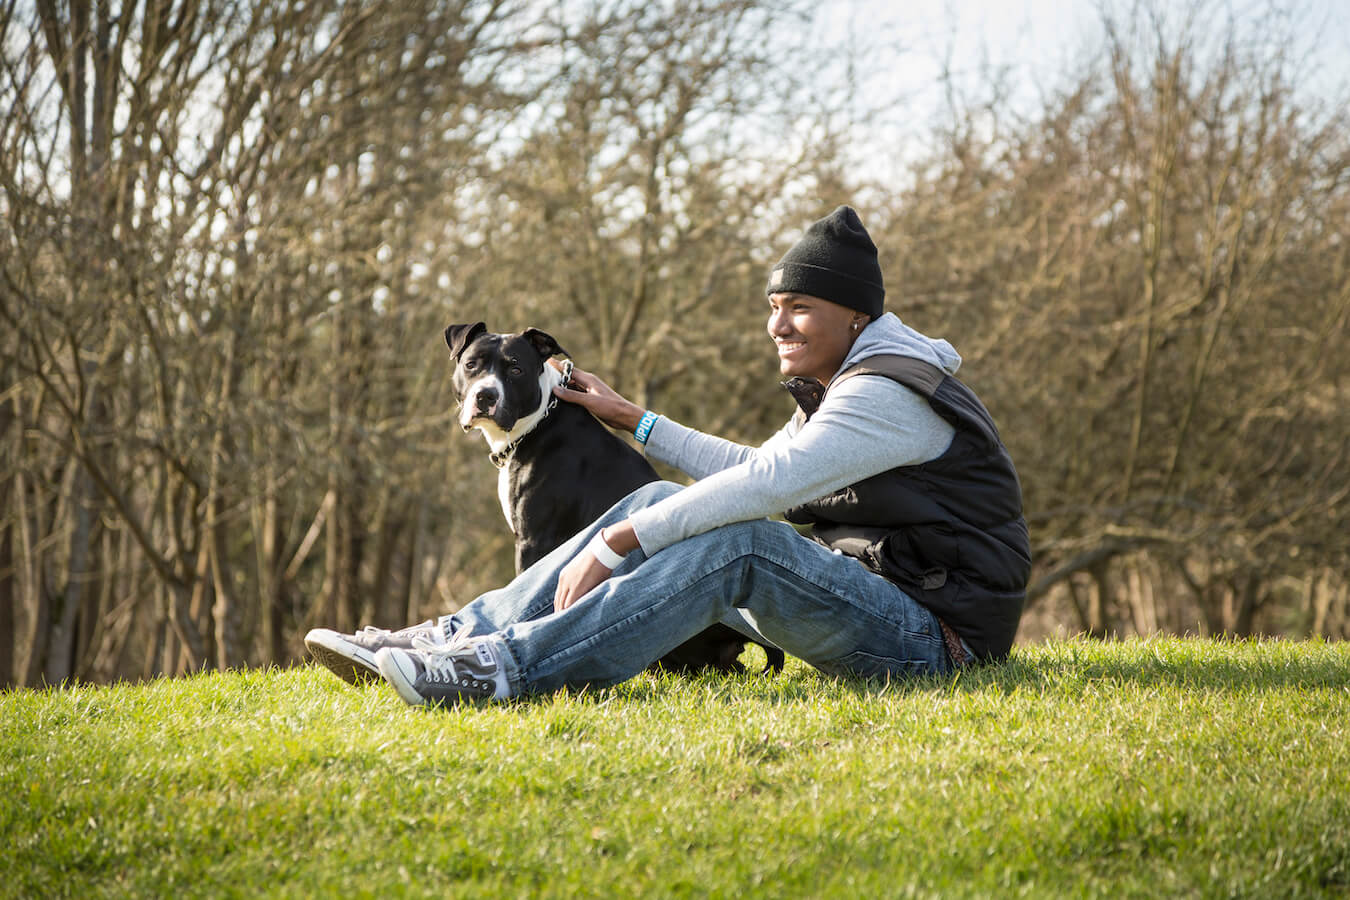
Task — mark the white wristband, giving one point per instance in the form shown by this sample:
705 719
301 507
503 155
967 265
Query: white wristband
602 552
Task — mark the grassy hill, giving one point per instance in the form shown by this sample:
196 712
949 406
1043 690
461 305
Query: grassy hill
1152 768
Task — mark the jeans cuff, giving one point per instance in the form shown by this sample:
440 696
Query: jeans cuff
506 658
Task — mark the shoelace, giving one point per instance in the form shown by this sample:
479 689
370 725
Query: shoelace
439 658
375 632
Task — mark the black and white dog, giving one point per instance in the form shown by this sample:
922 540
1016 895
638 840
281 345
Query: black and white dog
559 467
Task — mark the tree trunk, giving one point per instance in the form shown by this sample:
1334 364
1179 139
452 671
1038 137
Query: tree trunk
33 587
93 617
61 638
353 542
1248 603
224 614
185 611
9 602
1099 599
10 436
155 650
266 539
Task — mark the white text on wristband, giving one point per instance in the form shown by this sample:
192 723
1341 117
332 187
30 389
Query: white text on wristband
644 426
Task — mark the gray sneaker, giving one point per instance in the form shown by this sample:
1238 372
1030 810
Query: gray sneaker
431 674
351 657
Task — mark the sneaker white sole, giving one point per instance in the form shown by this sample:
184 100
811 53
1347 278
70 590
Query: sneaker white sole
400 672
348 661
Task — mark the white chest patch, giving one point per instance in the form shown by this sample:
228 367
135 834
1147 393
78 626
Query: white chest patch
504 497
498 440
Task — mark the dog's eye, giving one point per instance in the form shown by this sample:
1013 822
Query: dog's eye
517 371
470 365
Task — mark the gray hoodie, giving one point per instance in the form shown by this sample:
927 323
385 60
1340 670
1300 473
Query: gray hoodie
865 426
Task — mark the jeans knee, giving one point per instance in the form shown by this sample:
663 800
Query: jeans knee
755 536
649 495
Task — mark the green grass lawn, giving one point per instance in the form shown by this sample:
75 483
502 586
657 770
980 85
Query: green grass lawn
1148 768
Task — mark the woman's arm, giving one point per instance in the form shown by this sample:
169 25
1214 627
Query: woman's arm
868 425
693 452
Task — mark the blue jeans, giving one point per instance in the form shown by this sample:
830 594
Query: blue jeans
759 577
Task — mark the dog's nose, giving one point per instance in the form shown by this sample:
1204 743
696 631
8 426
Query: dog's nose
485 400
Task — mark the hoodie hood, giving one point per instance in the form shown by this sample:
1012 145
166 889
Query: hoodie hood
888 336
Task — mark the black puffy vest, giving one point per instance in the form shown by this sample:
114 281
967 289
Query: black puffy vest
948 532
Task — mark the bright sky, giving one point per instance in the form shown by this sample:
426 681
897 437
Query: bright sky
1046 37
1037 44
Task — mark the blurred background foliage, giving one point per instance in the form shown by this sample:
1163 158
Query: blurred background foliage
231 234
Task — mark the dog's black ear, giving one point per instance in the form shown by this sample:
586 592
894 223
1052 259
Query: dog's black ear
544 343
457 337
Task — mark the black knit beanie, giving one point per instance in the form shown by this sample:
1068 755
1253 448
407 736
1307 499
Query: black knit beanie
836 261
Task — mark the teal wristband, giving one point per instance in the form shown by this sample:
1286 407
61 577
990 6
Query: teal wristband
644 426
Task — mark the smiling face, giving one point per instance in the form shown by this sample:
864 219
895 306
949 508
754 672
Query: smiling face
813 336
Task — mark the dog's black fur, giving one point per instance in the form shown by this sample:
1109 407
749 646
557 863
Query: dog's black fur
561 471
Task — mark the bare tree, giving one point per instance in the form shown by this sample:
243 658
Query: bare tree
1150 282
237 230
145 149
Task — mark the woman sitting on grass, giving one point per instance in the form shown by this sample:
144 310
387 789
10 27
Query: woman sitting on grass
920 555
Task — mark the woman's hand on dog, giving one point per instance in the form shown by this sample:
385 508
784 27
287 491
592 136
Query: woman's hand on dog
601 400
